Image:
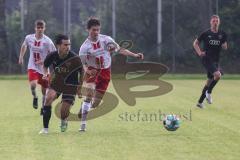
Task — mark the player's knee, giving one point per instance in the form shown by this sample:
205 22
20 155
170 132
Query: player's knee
49 99
217 75
89 86
65 109
88 90
33 85
43 90
33 82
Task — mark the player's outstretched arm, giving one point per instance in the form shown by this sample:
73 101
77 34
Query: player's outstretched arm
129 53
22 53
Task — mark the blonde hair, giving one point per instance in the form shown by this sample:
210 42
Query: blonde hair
215 16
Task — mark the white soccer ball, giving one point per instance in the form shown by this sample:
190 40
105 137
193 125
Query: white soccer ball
171 122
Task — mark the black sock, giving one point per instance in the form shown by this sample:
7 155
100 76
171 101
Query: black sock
33 90
46 115
201 99
212 85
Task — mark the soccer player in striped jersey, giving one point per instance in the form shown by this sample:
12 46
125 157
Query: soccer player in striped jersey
39 46
95 54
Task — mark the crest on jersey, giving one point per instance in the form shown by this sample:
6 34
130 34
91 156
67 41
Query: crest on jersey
220 36
37 43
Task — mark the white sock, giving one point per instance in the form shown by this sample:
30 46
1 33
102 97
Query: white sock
85 109
86 106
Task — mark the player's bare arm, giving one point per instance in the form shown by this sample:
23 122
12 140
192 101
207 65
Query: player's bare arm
91 72
45 73
126 52
225 46
22 53
197 48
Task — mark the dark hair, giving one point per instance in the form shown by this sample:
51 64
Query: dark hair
93 21
59 38
40 22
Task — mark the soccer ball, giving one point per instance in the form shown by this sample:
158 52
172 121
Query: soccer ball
171 122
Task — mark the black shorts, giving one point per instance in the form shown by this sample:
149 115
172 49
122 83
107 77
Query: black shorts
211 67
68 93
67 98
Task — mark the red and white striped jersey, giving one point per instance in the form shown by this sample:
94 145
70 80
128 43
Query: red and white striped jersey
39 49
96 54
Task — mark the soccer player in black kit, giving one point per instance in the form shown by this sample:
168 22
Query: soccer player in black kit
65 79
213 41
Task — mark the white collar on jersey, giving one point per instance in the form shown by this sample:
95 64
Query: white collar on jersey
92 40
39 38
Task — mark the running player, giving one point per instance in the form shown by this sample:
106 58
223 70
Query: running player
39 46
213 41
95 54
64 80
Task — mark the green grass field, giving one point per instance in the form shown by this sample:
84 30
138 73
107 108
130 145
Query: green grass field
211 134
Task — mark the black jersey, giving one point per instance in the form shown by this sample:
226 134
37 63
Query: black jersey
65 70
212 43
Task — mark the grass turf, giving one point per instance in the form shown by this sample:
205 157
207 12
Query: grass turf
212 133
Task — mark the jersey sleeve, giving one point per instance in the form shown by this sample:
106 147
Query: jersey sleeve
110 40
26 41
48 60
52 47
201 37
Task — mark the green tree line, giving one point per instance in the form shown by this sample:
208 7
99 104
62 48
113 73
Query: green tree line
182 21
